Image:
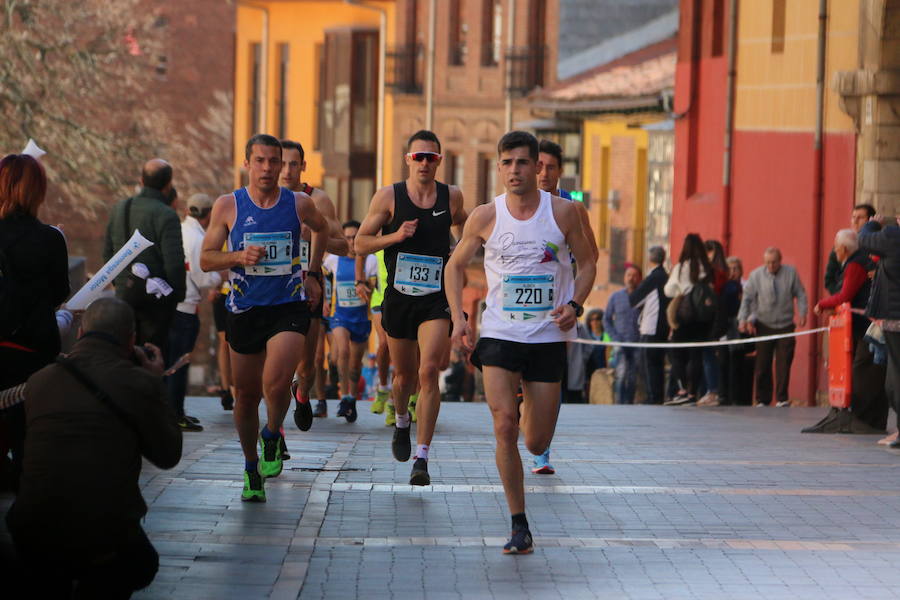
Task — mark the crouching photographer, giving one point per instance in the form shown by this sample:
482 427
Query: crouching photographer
90 417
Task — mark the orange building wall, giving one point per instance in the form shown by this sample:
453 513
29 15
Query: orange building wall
302 24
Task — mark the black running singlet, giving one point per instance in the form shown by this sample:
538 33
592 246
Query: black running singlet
432 236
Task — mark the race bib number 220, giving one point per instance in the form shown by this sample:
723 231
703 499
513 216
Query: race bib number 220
527 297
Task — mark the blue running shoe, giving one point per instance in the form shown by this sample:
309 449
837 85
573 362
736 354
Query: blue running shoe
542 464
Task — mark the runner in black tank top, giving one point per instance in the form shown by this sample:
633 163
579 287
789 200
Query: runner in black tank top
414 218
432 233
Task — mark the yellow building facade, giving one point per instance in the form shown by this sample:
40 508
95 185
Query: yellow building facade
285 52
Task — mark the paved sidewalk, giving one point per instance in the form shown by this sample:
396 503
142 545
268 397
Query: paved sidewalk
647 502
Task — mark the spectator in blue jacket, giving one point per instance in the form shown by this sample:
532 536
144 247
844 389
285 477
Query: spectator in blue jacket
621 323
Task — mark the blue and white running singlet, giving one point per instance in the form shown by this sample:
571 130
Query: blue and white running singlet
277 278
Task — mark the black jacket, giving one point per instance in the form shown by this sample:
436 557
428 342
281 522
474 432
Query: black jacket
79 487
654 283
884 300
40 265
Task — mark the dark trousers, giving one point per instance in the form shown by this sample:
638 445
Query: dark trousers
783 352
182 337
687 363
892 380
869 401
732 383
152 323
654 363
129 565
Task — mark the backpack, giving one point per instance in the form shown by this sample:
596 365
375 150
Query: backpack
699 305
15 305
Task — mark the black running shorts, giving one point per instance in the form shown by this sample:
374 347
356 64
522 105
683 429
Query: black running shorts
220 312
545 362
248 332
401 315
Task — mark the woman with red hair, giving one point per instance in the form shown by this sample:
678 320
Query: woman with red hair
34 281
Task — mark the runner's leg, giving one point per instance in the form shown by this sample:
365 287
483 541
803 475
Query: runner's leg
357 351
434 343
341 337
306 369
247 371
403 355
382 354
540 410
282 356
500 388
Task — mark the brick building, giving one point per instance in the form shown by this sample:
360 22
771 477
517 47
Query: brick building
778 155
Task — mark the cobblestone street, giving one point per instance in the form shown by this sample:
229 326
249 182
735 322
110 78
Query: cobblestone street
647 502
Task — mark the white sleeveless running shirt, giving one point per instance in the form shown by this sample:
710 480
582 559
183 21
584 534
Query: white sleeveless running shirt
525 276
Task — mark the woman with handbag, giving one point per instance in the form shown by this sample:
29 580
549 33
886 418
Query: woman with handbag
691 315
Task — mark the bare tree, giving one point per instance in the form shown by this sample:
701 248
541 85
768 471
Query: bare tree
74 76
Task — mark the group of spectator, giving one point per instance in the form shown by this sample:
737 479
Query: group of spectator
75 522
703 299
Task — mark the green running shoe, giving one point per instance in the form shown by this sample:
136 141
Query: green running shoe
390 414
271 461
412 407
381 398
254 487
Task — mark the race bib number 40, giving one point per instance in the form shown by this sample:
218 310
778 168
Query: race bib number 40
417 274
527 297
347 296
276 259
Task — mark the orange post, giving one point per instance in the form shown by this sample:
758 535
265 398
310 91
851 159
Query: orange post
840 357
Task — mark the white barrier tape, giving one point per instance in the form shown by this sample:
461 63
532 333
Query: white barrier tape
761 338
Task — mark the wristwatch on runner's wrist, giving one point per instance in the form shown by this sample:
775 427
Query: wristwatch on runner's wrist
579 309
317 275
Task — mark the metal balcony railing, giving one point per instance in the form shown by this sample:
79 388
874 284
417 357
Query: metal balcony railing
403 69
525 67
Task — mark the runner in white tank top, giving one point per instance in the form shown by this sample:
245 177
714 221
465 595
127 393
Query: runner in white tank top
525 276
532 306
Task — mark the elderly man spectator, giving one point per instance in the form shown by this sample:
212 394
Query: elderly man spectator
620 322
653 326
151 213
77 517
869 407
767 308
884 299
860 214
186 325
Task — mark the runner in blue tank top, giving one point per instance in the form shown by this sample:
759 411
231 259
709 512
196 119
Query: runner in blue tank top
268 306
350 323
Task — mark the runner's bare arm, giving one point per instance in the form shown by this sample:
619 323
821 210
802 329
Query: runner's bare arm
476 231
458 211
359 274
588 230
571 225
380 213
309 214
336 242
212 257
